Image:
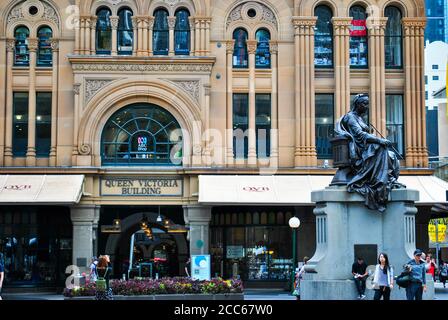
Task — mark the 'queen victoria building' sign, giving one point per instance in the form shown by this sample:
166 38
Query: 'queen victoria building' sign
147 186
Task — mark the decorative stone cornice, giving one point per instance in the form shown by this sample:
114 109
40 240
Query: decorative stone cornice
342 21
10 45
150 23
191 22
93 21
139 67
414 22
273 46
77 88
252 46
230 46
171 22
264 13
304 21
114 22
54 44
20 12
33 44
376 23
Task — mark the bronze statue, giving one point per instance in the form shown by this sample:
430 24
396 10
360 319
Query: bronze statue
371 169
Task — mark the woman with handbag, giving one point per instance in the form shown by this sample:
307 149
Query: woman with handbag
103 269
383 279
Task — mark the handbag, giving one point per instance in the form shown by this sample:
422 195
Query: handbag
403 280
100 283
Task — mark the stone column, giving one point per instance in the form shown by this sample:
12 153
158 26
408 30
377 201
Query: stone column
198 218
150 35
145 37
415 115
135 42
192 36
197 36
252 145
93 21
341 28
10 46
229 123
54 101
77 35
82 35
377 96
31 150
83 219
76 91
305 150
207 151
87 33
273 45
171 25
207 22
114 23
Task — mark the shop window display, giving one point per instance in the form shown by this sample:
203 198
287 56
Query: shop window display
254 250
323 38
358 38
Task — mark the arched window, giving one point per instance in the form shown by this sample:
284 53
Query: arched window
240 50
141 134
263 55
103 31
182 33
393 38
44 55
22 55
161 32
125 32
323 37
358 38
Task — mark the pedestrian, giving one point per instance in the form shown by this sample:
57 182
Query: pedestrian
359 271
443 273
104 271
417 274
298 276
92 274
383 279
187 267
430 266
2 273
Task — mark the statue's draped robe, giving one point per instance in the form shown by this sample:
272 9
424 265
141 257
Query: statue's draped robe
375 168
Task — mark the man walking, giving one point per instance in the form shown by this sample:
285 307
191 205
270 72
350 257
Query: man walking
359 271
418 277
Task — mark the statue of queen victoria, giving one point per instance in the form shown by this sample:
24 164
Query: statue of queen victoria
366 163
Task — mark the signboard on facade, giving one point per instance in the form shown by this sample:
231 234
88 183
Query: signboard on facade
146 186
234 252
358 28
200 267
437 233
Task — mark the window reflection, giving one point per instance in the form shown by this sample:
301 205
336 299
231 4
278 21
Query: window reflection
240 54
125 32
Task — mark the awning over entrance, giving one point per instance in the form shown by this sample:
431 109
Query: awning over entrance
294 190
40 189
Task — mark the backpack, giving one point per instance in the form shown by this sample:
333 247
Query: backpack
444 272
404 279
100 283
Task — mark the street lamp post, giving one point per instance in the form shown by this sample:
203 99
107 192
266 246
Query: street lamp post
294 223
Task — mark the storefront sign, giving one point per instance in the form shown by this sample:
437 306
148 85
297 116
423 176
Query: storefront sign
358 28
111 229
148 186
200 267
234 252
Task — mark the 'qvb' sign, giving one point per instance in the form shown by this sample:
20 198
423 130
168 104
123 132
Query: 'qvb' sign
148 186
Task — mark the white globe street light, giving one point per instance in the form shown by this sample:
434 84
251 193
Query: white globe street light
294 222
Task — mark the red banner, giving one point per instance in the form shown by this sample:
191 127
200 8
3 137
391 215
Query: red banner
358 28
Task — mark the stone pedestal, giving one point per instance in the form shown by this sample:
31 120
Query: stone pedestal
343 221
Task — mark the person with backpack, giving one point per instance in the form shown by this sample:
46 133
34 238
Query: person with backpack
383 279
443 273
417 277
2 273
104 271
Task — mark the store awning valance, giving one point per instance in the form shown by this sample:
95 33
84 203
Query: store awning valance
294 190
40 189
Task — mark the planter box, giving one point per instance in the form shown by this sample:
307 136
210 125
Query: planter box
190 297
